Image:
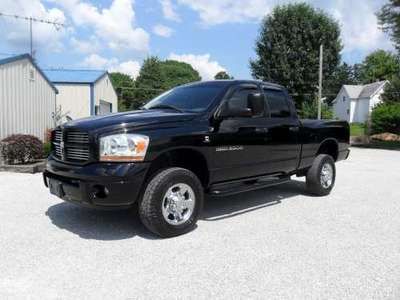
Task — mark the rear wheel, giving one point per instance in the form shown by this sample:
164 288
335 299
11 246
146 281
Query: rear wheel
321 176
172 202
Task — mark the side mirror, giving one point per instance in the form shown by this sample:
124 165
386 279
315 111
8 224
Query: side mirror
256 103
227 111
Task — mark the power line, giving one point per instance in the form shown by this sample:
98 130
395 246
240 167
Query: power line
56 25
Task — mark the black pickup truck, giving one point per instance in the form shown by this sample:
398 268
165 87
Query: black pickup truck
218 137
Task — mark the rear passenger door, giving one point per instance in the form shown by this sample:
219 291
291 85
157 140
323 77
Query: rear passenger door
283 147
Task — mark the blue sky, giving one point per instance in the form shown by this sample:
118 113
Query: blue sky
211 35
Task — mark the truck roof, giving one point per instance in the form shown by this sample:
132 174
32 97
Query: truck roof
233 82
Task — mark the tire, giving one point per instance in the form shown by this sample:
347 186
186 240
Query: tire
166 208
317 184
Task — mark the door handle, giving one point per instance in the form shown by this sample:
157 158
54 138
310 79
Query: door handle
294 128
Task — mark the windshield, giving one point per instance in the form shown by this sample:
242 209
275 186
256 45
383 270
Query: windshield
186 98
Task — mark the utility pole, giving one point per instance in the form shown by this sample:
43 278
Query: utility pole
31 35
56 25
321 52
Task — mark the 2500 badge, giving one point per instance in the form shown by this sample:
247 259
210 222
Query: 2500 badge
229 148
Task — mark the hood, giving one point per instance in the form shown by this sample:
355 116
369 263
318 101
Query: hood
129 119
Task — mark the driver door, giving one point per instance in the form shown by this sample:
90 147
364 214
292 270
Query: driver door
239 142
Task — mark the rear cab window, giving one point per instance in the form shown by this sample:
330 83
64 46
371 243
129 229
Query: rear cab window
278 103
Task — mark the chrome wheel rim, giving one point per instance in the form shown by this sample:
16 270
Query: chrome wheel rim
326 175
178 204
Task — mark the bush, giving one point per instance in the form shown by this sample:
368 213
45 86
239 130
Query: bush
21 148
46 149
386 118
309 110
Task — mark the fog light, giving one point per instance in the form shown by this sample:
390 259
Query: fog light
100 192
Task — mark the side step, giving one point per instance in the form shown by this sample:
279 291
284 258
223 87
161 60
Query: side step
248 184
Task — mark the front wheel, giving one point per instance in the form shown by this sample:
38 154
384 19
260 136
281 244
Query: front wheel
321 176
172 202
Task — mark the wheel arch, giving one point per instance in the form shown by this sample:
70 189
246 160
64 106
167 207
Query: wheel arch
329 146
185 157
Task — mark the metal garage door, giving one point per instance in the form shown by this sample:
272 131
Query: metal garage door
105 107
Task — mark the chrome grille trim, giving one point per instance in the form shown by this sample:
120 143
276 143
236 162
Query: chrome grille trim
76 145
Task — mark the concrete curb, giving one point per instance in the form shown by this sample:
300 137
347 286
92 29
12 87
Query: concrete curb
36 167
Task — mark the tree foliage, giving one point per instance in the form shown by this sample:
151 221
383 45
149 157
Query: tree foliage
157 76
288 48
391 92
222 76
379 65
344 74
389 19
124 86
177 73
385 117
150 81
309 110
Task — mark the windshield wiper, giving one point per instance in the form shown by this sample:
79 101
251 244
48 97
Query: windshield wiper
166 106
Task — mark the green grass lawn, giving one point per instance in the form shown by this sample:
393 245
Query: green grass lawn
357 129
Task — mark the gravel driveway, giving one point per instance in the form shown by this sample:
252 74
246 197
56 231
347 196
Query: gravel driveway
276 243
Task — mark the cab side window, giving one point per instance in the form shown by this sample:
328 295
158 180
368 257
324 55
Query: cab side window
278 104
239 99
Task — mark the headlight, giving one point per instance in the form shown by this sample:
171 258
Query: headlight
123 147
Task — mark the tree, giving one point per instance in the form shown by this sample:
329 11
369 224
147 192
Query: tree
150 81
124 86
288 48
222 76
157 76
379 65
309 110
391 92
389 19
176 73
344 74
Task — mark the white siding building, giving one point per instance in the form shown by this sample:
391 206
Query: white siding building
27 98
83 93
354 103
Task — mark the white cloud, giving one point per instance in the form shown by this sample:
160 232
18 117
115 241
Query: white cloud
213 12
95 61
169 11
91 45
201 63
113 25
359 25
130 67
16 31
162 30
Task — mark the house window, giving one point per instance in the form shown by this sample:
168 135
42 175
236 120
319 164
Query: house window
344 99
348 111
31 74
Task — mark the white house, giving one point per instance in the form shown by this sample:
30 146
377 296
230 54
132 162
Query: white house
354 103
83 93
27 98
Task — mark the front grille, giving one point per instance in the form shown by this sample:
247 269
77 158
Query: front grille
57 139
71 145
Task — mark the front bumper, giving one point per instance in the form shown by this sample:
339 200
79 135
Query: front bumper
98 185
